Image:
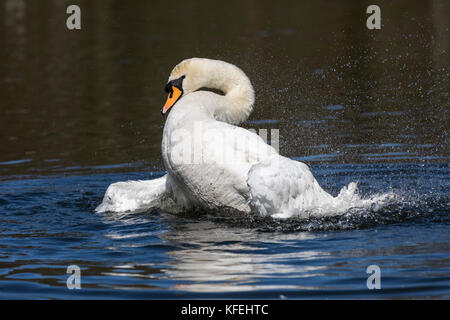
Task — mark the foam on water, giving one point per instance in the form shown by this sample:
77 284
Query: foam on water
351 211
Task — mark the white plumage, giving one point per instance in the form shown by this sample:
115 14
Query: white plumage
214 165
137 196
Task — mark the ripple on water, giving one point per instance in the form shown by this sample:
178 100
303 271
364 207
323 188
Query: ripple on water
49 223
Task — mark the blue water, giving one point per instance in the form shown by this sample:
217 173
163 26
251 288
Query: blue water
48 223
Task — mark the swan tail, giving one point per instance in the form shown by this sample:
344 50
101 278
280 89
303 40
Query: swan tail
284 188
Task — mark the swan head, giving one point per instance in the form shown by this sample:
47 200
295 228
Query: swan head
196 73
183 79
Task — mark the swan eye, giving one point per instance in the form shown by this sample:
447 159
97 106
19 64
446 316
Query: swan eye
175 83
168 88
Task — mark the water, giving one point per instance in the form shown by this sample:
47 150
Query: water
80 110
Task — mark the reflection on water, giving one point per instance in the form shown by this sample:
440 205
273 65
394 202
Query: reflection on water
217 259
80 110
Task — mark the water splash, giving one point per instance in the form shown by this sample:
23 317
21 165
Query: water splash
355 212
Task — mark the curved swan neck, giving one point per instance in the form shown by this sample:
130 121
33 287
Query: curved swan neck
239 94
237 104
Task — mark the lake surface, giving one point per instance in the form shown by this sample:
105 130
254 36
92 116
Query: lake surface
81 110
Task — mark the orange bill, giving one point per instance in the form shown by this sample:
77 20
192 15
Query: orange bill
171 99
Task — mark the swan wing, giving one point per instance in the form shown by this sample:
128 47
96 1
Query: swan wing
282 187
138 195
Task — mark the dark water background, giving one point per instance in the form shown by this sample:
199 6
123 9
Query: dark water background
80 110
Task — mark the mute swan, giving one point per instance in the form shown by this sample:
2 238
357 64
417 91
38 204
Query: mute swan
212 164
